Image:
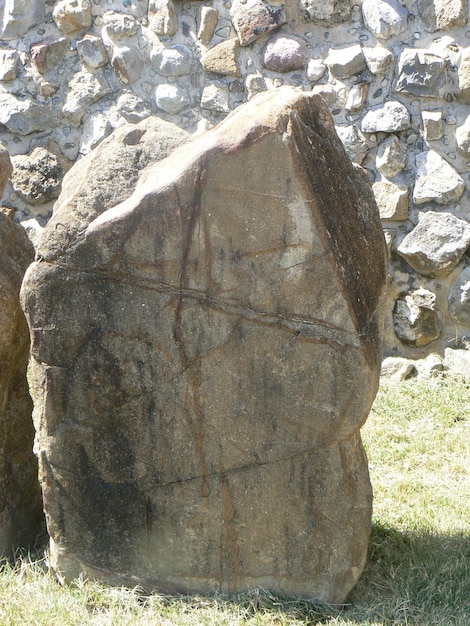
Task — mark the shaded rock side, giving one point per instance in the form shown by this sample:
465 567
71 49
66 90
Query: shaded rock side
204 355
20 496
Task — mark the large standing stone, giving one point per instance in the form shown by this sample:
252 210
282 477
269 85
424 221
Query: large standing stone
204 356
20 497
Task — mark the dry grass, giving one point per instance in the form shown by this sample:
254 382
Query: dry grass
418 443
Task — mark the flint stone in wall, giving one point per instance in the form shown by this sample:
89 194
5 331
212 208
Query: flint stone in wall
437 243
127 62
377 59
391 157
162 17
119 25
92 51
384 18
345 62
462 135
48 53
436 180
20 496
85 88
459 298
442 14
354 142
416 320
255 83
72 15
422 73
95 128
173 61
390 117
8 64
230 305
463 93
397 368
208 17
357 96
457 361
222 58
132 108
432 125
215 97
328 11
284 53
172 98
23 117
327 92
37 176
19 16
253 19
315 70
6 168
392 200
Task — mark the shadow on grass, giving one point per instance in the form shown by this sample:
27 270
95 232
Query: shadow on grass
410 578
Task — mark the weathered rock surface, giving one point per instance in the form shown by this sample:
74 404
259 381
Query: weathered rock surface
20 497
204 355
6 168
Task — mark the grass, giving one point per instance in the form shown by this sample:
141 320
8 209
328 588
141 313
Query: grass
418 573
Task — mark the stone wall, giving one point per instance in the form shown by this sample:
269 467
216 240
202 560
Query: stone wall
395 75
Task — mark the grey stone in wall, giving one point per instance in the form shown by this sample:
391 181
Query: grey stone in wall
384 18
19 16
442 14
416 320
459 298
436 245
37 177
436 180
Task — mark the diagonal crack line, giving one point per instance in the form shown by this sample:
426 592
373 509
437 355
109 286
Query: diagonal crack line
307 328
